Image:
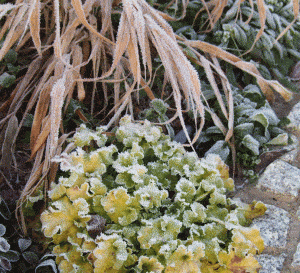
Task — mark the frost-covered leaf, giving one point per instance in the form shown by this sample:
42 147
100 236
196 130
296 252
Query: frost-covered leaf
64 218
184 259
84 136
150 196
220 148
120 206
11 255
251 143
5 264
4 210
24 244
261 118
281 139
255 210
244 129
4 245
6 80
150 264
159 106
46 264
196 215
159 230
110 253
263 114
30 257
2 230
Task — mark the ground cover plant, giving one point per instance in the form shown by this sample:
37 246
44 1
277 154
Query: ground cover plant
138 202
92 61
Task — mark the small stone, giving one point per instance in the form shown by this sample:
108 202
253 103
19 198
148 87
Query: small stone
273 226
298 213
271 263
281 177
289 157
296 259
294 115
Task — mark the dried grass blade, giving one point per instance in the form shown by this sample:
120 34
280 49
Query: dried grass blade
42 137
229 98
252 11
57 42
77 5
209 74
147 89
35 26
7 153
57 100
13 35
41 110
296 14
250 68
5 8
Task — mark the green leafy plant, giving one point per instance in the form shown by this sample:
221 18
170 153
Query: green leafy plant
257 127
8 77
27 256
7 256
135 201
236 31
157 113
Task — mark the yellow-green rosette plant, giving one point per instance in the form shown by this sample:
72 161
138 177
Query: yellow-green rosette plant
138 202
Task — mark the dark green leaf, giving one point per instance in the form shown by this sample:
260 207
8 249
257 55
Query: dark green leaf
11 255
30 257
24 244
4 210
261 118
244 129
28 121
6 80
13 69
2 230
11 56
4 245
42 267
220 148
5 264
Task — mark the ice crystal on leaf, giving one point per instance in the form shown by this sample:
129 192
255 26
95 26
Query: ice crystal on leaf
139 202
